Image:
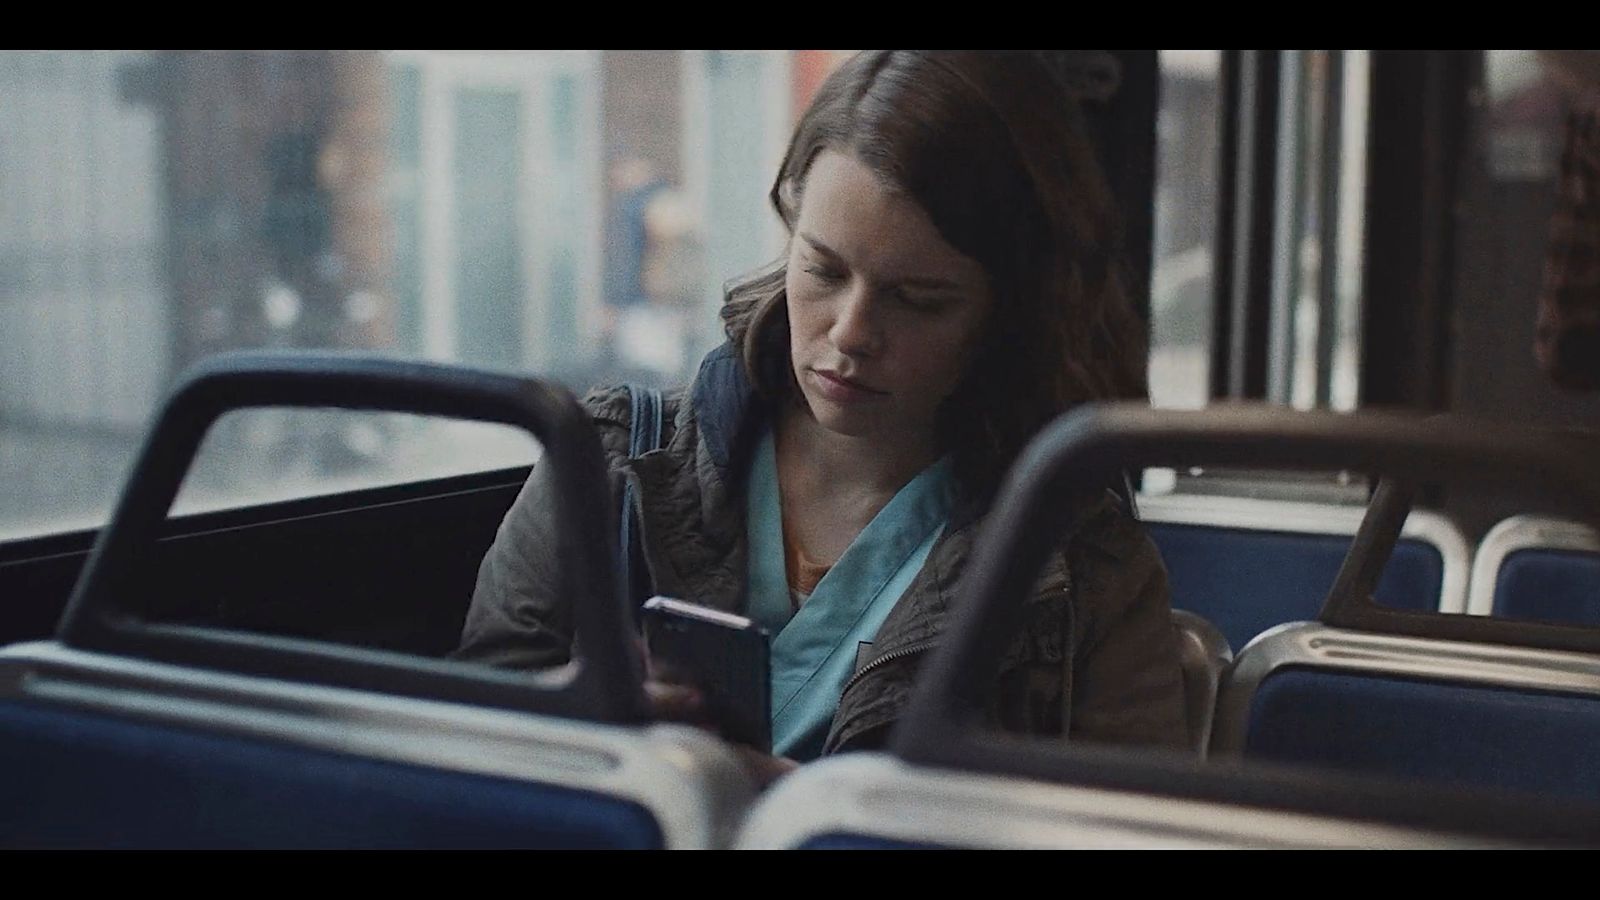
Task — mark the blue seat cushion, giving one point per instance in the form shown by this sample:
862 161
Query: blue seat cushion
77 779
1246 581
1449 732
1549 586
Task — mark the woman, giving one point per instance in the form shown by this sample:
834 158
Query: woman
950 285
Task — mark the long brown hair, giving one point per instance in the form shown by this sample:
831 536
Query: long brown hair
992 147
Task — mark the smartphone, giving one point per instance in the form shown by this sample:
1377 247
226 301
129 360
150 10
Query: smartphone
726 656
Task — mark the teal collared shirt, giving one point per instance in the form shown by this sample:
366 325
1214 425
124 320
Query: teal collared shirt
814 649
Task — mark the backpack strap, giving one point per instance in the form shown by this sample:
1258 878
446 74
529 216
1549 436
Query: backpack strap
644 435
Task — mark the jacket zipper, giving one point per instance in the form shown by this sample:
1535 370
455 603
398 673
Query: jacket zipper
902 653
925 646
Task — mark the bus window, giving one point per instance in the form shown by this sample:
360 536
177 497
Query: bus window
566 213
1181 305
269 455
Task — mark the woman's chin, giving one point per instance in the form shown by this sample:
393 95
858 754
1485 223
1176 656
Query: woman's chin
849 421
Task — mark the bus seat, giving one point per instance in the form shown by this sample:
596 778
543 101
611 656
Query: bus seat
1537 568
1247 565
1205 656
104 752
1445 711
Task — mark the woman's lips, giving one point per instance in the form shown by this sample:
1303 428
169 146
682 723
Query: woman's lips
842 390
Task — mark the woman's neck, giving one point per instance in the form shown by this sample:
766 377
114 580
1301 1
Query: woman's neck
832 485
833 462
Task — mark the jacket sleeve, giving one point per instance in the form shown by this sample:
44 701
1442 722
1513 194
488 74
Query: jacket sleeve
1127 673
519 617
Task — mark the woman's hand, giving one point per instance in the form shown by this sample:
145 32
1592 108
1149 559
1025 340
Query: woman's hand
671 698
672 701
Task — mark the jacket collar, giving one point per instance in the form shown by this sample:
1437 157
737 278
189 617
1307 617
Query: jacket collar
726 409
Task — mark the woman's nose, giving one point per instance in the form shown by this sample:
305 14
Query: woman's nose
855 329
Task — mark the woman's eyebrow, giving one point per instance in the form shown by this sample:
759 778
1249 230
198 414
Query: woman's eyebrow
915 281
931 284
820 247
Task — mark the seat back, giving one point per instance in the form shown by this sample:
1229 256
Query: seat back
1540 569
1205 656
97 751
1451 712
873 801
1247 565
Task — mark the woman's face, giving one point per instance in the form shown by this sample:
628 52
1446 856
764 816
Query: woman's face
883 314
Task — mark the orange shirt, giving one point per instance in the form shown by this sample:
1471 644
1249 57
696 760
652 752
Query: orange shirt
804 573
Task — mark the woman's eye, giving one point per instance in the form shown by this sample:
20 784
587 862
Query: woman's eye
923 304
825 274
